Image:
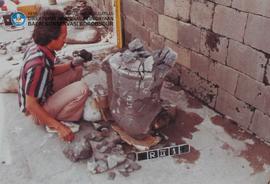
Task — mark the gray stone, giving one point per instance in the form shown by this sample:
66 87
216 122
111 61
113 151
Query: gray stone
223 76
124 173
114 160
103 149
129 170
199 87
144 54
96 136
111 175
254 93
229 22
234 108
204 48
148 64
266 79
255 37
261 125
16 47
3 51
165 56
126 166
220 52
189 36
101 166
135 45
246 60
128 56
79 149
167 23
9 58
136 83
96 125
201 13
199 64
183 57
135 166
260 7
91 166
177 9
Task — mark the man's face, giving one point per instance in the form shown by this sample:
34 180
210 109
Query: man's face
61 40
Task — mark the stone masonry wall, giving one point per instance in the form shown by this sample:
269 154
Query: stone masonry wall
101 5
223 51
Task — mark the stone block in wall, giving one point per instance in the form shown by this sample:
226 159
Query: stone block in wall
156 41
257 32
136 30
218 47
179 9
184 55
150 18
261 7
199 87
199 64
223 2
223 76
246 60
261 125
168 27
134 10
214 46
266 78
189 36
254 93
158 5
204 49
234 108
202 13
146 2
229 22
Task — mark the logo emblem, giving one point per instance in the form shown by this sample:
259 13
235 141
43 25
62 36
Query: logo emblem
18 19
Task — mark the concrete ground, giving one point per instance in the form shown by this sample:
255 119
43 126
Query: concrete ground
221 153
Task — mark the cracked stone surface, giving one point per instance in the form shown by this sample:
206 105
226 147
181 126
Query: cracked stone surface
136 83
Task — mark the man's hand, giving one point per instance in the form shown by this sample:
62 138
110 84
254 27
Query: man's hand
65 133
45 119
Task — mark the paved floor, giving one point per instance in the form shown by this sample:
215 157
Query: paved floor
221 153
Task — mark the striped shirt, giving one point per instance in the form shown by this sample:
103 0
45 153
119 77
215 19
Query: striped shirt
36 75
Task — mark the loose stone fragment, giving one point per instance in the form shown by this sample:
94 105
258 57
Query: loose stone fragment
114 160
135 45
102 166
79 149
111 175
135 166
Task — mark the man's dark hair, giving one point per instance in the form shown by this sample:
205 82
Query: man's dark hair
48 26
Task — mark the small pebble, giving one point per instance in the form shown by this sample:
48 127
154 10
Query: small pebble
9 58
124 173
111 175
3 52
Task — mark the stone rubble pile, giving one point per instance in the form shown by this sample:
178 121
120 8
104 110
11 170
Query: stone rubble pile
103 149
137 77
